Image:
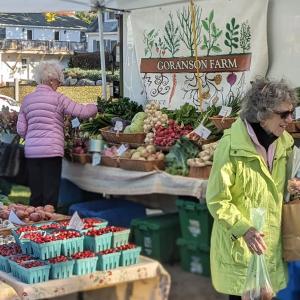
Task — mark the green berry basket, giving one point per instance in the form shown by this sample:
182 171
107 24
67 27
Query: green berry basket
85 265
62 270
47 250
98 243
130 256
4 264
120 238
71 246
24 244
108 261
33 275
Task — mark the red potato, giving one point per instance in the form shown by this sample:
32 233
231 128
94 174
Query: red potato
30 209
48 215
38 208
49 208
4 214
35 217
22 214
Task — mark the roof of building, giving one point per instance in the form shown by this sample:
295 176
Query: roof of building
38 20
108 26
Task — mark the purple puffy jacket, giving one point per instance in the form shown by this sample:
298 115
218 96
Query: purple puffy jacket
41 121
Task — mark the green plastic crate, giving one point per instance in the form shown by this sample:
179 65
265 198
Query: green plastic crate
195 222
193 258
157 236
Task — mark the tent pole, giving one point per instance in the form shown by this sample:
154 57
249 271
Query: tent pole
102 53
121 45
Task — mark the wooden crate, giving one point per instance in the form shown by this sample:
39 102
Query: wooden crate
122 138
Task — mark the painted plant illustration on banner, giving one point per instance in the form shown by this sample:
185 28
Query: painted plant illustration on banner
231 43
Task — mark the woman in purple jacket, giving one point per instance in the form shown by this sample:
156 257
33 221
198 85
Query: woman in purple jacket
41 123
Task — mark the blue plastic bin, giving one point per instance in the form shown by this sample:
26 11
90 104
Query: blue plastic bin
70 193
118 212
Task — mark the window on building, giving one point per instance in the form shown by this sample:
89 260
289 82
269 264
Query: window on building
109 16
29 35
2 33
82 37
96 45
24 63
56 35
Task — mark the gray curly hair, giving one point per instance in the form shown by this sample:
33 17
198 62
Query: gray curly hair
46 71
263 97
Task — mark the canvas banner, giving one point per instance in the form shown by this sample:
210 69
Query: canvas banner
231 39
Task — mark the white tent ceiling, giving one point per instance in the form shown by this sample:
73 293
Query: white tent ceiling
31 6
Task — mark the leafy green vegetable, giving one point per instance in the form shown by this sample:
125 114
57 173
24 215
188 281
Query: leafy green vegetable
123 107
176 159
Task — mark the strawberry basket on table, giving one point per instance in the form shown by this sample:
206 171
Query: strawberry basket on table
130 254
93 223
32 271
46 246
85 262
108 259
120 235
19 235
72 241
7 250
61 267
97 240
13 260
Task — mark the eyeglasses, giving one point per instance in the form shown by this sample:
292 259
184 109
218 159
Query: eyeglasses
284 114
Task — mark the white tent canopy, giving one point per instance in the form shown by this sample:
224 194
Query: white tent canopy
29 6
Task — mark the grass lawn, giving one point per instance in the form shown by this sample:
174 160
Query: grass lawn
19 194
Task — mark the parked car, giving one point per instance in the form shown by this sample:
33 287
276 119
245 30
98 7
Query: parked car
10 102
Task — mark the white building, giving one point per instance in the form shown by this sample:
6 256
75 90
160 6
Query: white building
110 32
26 39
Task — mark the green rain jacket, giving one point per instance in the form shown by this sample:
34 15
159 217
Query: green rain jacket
240 180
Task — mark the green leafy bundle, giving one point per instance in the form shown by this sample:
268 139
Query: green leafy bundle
122 107
176 159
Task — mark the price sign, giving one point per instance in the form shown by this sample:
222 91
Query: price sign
13 218
96 159
1 205
75 222
297 113
118 126
75 123
121 150
225 111
202 131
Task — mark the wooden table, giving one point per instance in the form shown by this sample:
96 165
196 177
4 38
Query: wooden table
147 280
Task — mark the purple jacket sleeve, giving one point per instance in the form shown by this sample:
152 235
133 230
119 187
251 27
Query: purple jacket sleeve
82 111
22 124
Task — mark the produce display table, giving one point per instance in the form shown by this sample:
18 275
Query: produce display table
116 181
149 281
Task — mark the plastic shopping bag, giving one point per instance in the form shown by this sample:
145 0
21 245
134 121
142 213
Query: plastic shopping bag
258 284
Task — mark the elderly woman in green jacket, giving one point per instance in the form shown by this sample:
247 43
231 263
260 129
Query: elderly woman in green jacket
249 172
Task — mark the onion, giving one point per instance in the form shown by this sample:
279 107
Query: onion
49 208
35 217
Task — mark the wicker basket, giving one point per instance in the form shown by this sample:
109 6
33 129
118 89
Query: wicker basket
122 138
81 158
200 172
222 122
110 161
293 127
141 165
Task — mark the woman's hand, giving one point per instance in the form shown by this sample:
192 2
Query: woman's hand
293 186
254 241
